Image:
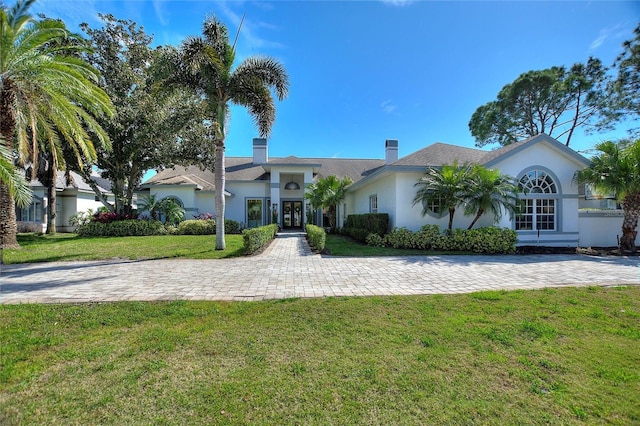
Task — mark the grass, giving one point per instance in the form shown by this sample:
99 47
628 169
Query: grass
63 247
554 356
60 247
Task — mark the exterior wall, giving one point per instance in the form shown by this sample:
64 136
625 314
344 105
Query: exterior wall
236 206
385 190
600 228
542 156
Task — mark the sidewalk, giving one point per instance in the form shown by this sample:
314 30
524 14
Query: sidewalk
288 268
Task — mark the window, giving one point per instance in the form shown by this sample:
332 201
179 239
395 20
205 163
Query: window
435 205
373 203
254 213
537 207
32 213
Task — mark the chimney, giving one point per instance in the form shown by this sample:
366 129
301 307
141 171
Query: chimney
391 151
260 155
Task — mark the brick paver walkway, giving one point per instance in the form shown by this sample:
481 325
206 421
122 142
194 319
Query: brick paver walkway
289 269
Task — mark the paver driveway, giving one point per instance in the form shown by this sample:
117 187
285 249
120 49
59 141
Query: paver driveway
289 269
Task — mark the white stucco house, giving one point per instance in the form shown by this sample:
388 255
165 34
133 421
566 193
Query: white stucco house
260 190
71 198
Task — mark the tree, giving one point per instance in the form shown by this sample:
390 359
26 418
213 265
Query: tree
327 193
45 92
490 191
615 169
555 101
625 89
13 180
205 65
443 189
152 128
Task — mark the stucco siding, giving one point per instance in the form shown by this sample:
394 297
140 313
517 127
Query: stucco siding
600 228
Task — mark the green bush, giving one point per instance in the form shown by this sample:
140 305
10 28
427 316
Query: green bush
206 227
358 234
197 227
316 236
489 240
401 238
121 228
257 238
375 240
372 222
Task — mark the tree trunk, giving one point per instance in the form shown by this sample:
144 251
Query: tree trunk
219 180
8 224
631 209
475 219
51 193
451 213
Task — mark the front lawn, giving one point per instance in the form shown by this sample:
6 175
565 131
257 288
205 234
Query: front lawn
555 356
46 248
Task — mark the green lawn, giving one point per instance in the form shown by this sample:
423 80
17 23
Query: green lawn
45 248
60 247
555 356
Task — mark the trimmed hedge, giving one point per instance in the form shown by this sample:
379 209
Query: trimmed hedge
490 240
197 227
121 228
256 239
357 234
206 227
316 236
377 223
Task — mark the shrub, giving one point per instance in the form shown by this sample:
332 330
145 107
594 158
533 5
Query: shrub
206 227
489 240
197 227
81 218
372 222
108 217
374 240
316 236
121 228
358 234
256 239
400 238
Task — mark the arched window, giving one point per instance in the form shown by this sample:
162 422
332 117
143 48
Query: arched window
538 205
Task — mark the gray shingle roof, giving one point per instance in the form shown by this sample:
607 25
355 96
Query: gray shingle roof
441 153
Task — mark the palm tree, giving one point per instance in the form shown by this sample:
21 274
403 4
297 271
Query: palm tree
45 92
13 180
327 193
615 169
443 188
490 191
206 65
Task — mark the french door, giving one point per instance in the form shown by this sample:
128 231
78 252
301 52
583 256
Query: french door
291 214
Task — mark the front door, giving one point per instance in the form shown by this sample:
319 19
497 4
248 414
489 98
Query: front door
291 214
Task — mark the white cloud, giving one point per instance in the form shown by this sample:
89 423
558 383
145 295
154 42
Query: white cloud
160 9
616 32
388 107
397 2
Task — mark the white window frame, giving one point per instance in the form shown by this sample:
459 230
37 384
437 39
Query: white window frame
373 203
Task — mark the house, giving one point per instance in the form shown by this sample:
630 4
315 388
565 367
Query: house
261 190
71 197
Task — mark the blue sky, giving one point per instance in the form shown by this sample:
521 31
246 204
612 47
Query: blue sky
362 72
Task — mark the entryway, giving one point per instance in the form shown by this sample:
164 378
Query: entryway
292 215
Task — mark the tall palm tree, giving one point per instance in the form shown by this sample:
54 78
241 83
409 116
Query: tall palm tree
45 92
490 191
615 169
444 187
206 65
13 180
327 193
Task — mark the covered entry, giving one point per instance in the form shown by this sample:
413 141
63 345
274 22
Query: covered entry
291 214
